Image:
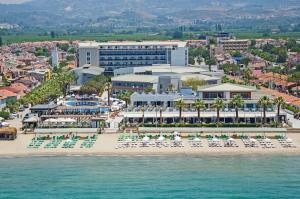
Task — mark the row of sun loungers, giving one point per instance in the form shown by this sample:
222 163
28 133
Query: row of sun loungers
56 141
194 141
69 144
35 143
89 142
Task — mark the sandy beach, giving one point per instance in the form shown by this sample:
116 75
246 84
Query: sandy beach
106 143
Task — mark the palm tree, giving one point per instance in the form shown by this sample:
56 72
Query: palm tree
264 102
219 104
180 105
125 97
143 115
108 87
199 104
237 102
247 74
279 101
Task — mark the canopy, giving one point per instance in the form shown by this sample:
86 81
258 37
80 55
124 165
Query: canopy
66 130
31 120
213 130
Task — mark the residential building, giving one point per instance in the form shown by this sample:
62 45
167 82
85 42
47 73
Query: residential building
7 96
114 55
41 74
234 45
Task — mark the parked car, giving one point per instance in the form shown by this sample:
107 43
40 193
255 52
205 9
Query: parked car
26 116
13 115
21 108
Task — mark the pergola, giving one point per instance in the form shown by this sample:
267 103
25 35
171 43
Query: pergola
66 131
212 130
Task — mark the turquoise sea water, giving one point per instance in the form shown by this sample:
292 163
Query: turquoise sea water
150 177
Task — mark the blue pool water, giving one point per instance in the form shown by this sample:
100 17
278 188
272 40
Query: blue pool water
150 177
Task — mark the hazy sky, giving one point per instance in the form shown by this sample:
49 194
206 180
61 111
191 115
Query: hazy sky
12 1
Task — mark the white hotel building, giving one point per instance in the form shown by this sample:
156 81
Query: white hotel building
114 55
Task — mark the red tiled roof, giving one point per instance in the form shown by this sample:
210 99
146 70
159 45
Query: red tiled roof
7 93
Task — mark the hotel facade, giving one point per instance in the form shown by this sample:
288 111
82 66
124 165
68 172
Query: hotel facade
163 105
115 55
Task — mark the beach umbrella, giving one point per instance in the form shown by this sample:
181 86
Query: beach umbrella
196 139
252 140
289 140
161 138
128 140
215 139
146 138
230 139
267 140
177 139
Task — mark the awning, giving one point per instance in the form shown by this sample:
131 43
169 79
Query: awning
213 130
66 130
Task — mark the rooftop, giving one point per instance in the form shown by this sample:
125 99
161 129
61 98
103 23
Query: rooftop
132 43
226 87
88 69
136 78
43 106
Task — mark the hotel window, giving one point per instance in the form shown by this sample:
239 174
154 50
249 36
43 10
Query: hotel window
88 57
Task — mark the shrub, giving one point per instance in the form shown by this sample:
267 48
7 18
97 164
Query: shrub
4 114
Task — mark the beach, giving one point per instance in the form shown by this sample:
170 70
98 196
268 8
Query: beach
106 144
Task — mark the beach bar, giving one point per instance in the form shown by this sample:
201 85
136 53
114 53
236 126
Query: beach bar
8 133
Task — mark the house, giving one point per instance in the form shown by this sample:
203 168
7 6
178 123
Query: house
7 96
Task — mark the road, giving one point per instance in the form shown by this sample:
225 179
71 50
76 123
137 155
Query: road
17 122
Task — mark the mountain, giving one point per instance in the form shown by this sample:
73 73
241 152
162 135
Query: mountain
143 13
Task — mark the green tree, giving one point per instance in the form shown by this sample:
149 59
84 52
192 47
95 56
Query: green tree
279 102
219 104
247 74
264 102
108 87
199 104
94 86
295 77
237 102
245 61
194 83
125 96
52 34
177 35
143 115
149 90
180 105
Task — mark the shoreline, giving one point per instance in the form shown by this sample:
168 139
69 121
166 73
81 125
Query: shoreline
105 146
154 154
193 154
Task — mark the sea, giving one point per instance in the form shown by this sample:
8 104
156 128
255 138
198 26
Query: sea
150 177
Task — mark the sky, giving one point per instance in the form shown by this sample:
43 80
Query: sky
12 1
